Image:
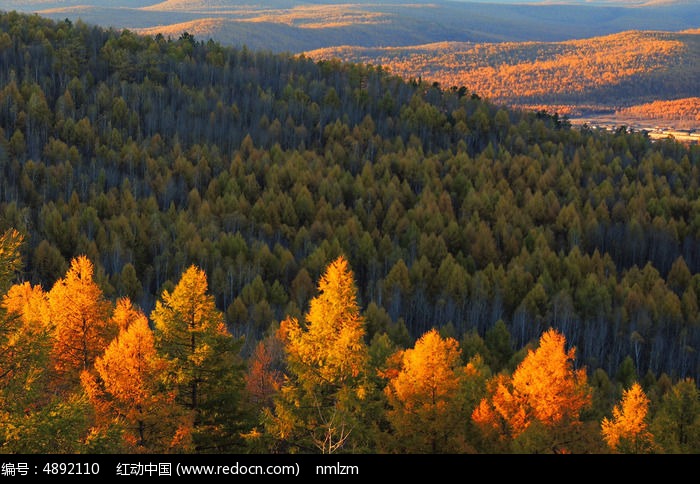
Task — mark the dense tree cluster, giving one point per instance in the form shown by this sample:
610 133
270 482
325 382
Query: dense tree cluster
133 167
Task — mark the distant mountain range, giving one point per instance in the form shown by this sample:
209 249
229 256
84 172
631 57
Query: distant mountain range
295 26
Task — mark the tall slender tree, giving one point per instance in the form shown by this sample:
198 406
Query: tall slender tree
82 327
323 401
206 365
24 355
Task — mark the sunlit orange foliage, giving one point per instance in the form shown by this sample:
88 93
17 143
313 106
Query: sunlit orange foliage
81 318
264 376
29 303
527 73
24 333
545 388
425 396
627 430
125 313
206 27
428 375
127 387
685 109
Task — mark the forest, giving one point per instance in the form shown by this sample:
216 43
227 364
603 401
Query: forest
212 249
615 72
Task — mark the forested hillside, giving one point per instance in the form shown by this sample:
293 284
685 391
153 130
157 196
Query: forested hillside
308 226
609 73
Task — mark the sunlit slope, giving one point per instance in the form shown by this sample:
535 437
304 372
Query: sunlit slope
609 71
687 109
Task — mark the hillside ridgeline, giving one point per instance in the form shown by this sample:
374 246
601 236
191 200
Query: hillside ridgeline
608 74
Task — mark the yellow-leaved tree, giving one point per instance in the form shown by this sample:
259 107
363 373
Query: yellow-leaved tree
427 397
24 355
627 432
264 376
53 337
127 390
19 348
321 406
538 408
24 348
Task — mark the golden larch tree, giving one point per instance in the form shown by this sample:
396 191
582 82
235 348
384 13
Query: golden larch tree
320 405
125 313
127 389
82 327
205 362
540 404
24 347
628 430
426 397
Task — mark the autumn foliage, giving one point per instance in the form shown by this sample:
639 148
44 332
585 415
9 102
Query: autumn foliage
127 388
262 272
320 403
331 340
573 75
80 316
425 395
175 383
627 431
545 389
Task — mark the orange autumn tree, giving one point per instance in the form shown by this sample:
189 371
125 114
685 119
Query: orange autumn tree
426 397
265 372
15 321
128 393
206 368
628 431
321 405
82 327
263 381
538 408
43 412
24 354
